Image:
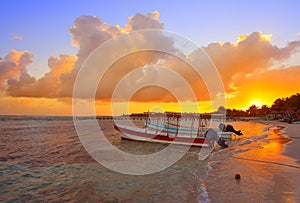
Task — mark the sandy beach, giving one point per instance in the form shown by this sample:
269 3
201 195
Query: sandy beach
291 149
268 165
286 177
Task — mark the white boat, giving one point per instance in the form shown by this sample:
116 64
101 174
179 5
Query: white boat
170 127
167 137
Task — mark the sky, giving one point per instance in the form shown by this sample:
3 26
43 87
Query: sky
255 45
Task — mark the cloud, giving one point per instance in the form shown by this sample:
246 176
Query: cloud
90 32
13 66
244 64
51 83
142 69
141 22
47 86
16 37
21 86
252 53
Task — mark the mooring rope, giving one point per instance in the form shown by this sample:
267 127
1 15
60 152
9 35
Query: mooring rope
268 162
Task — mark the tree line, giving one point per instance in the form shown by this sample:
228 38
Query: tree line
281 105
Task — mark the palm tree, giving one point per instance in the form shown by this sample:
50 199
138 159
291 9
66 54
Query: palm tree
264 110
252 111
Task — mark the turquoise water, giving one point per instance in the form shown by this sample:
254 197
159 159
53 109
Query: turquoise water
42 160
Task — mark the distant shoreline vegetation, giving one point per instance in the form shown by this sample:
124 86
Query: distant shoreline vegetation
287 109
284 109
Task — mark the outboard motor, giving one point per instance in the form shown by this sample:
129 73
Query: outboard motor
213 135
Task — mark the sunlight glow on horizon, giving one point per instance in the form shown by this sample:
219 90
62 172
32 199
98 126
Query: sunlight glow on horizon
256 103
63 107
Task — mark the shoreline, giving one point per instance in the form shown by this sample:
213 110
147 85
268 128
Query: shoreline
269 171
287 179
292 131
292 149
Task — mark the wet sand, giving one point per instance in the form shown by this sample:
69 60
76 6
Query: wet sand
287 181
268 165
291 149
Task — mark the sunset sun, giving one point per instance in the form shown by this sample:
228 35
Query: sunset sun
257 103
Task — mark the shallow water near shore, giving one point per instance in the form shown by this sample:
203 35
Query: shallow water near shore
266 175
42 159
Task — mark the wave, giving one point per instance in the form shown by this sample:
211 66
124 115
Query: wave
204 194
257 138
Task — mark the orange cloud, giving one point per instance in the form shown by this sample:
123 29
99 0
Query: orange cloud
47 86
142 70
98 33
90 32
253 53
262 37
13 66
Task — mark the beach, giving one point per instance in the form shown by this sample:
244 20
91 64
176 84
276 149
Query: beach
269 171
292 131
43 160
292 149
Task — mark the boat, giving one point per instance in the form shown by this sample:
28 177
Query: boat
169 127
185 130
163 136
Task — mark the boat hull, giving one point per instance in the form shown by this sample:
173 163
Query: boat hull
147 135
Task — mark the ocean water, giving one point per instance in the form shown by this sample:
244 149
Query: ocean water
43 160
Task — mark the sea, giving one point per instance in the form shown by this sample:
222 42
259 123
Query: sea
43 160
